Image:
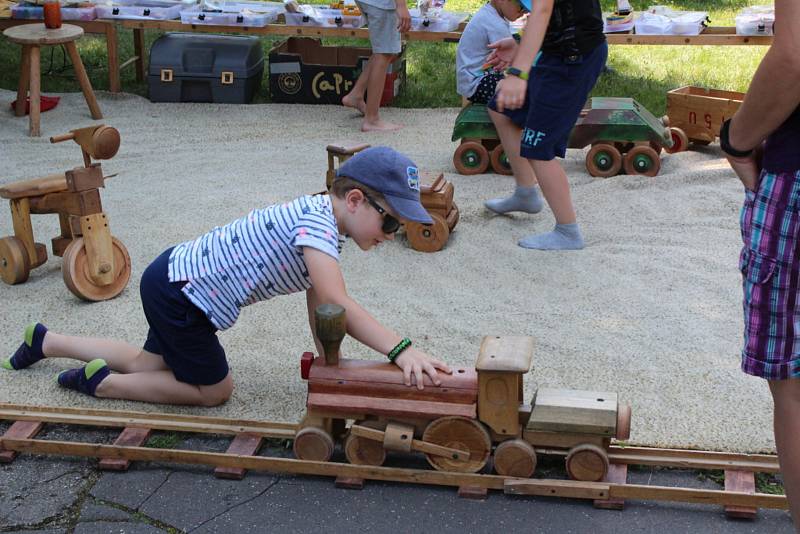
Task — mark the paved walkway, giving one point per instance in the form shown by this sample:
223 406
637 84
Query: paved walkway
67 495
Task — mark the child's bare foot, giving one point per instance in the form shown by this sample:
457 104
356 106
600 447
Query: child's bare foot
379 126
355 103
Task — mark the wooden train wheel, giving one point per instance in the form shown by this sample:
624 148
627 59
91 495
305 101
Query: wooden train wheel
623 422
642 160
500 162
312 443
680 141
363 451
14 263
603 160
76 272
428 238
587 462
471 157
515 458
458 433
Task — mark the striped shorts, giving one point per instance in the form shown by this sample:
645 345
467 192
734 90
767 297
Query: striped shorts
770 266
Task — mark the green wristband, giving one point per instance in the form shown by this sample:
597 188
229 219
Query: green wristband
398 349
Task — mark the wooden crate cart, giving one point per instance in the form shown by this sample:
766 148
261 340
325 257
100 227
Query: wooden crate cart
458 424
436 195
96 266
696 114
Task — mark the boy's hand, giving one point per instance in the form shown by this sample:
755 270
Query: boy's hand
403 17
502 53
511 92
417 362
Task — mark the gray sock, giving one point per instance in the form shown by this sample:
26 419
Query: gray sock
563 237
526 199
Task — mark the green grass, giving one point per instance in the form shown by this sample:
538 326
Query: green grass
645 73
765 482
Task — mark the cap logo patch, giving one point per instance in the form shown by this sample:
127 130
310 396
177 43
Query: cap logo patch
413 178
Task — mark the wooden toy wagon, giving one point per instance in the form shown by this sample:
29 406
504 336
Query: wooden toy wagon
480 145
622 135
621 132
436 195
475 414
96 266
695 114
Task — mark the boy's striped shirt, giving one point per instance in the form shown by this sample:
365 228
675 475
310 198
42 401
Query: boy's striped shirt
255 257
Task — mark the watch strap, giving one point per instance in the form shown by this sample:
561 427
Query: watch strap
725 144
513 71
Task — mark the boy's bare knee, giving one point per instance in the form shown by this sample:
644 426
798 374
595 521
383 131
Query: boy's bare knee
218 393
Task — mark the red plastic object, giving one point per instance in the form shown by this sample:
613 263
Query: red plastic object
52 14
46 103
305 364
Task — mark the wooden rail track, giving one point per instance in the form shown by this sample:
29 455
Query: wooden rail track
739 498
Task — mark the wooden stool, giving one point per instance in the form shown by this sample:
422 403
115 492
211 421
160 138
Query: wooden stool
32 37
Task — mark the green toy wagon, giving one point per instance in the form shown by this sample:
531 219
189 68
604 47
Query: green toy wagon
622 133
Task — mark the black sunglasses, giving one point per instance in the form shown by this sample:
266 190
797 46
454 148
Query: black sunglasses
390 224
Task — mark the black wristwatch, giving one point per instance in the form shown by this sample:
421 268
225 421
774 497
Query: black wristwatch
725 144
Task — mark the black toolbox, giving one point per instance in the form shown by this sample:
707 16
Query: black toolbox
188 67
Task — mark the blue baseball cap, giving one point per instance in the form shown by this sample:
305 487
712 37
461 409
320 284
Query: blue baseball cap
526 4
393 175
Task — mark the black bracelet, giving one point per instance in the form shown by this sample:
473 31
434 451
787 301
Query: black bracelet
725 144
517 37
398 349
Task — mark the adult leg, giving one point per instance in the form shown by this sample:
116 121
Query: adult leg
786 395
119 355
375 83
526 196
162 387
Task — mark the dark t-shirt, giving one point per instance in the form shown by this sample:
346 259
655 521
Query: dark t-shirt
576 27
782 148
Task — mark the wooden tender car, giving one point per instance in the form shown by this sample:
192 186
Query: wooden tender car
436 195
696 114
474 414
96 265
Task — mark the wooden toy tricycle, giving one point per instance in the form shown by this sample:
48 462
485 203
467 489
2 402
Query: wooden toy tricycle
96 265
436 195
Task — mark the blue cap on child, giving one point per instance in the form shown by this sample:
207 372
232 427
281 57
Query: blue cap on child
392 174
526 4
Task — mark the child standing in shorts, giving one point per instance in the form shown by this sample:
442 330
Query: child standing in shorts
386 20
552 71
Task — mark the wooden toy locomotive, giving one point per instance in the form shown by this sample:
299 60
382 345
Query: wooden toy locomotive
457 424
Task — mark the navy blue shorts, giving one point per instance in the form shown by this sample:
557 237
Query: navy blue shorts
180 331
557 91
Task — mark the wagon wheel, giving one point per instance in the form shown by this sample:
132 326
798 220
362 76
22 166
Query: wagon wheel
500 162
363 451
312 443
428 238
603 160
642 160
14 262
458 433
515 458
76 272
623 422
655 146
471 158
587 462
680 141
